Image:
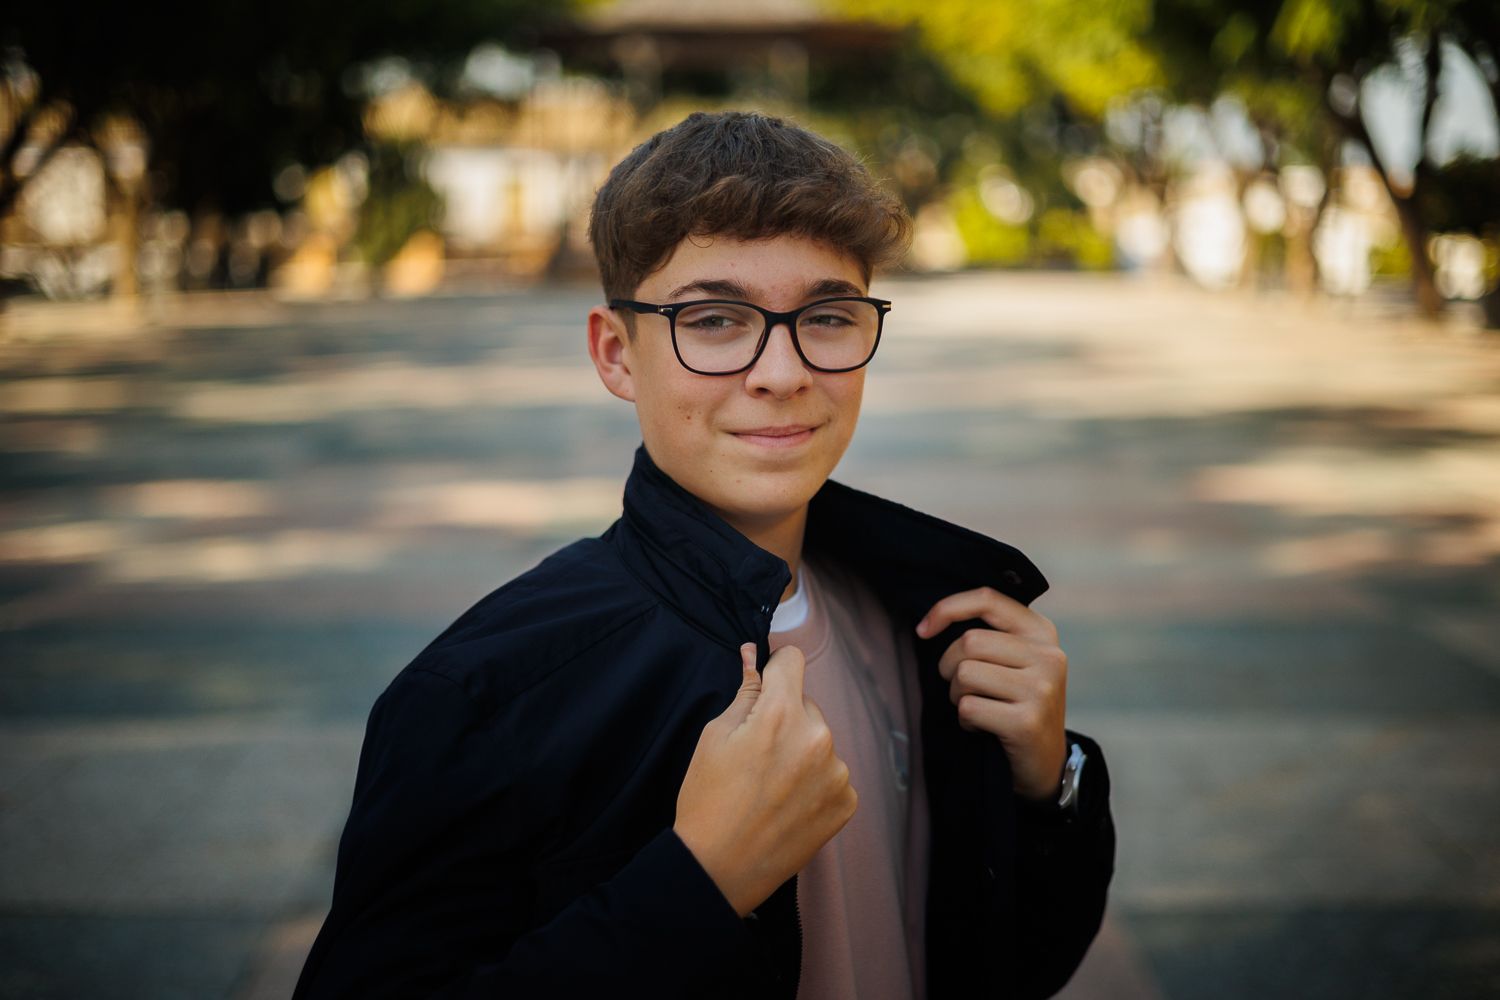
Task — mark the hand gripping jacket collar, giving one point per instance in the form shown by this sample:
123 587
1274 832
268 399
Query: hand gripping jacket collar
510 829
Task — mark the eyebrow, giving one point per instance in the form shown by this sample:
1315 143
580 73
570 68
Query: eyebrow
734 290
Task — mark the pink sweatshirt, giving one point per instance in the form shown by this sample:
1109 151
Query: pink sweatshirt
862 896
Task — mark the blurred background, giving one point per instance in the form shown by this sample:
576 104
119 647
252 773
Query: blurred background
1202 314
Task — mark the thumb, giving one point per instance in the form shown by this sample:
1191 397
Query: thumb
750 679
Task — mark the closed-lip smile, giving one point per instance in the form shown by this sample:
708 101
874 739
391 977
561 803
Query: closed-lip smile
784 430
778 436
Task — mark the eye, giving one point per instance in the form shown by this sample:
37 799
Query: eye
710 321
716 318
837 316
827 318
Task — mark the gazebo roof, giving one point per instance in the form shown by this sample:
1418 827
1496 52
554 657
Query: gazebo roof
698 31
694 16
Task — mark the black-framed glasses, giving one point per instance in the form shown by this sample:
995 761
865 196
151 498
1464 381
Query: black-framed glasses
727 336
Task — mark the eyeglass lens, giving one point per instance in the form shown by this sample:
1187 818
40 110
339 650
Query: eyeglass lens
722 336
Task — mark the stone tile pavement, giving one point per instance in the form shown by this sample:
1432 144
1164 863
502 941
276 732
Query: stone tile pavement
1272 531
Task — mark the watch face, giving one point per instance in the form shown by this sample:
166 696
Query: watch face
1071 779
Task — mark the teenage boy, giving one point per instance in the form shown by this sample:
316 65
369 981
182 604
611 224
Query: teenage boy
767 735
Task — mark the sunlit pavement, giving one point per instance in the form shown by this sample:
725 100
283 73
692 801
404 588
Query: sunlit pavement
1272 533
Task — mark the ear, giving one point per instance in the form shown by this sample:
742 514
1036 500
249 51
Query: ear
611 351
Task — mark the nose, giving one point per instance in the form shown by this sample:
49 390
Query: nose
779 368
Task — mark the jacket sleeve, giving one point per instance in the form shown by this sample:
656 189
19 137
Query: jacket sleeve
1063 871
434 894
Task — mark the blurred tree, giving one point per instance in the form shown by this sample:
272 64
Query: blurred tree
1464 197
225 95
1018 83
1301 66
1016 53
399 205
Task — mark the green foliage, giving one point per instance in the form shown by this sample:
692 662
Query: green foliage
905 112
1058 237
1014 53
1307 30
1067 237
986 239
399 204
1391 259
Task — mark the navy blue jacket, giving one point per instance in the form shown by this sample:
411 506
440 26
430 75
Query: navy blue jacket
511 830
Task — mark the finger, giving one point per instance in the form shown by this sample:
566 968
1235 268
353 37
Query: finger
782 678
1002 648
750 687
813 711
987 680
987 604
750 677
1004 719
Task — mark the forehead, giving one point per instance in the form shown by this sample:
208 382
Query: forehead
776 267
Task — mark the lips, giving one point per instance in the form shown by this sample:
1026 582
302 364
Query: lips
785 430
783 436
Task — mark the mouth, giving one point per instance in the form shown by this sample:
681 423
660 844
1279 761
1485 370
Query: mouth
788 436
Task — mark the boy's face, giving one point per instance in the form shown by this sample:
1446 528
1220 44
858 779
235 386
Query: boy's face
694 425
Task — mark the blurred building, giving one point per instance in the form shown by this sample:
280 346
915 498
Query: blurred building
760 51
515 176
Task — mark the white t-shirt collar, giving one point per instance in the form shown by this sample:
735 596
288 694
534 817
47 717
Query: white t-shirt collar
791 612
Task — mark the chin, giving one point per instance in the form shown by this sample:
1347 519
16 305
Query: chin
772 497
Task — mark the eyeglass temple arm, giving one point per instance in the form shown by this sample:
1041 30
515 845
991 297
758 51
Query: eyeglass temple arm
640 307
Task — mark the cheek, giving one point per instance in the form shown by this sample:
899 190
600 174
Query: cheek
679 407
847 398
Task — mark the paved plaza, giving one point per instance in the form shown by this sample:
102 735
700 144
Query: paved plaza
1271 528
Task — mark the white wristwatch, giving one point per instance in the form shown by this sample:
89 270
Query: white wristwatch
1068 801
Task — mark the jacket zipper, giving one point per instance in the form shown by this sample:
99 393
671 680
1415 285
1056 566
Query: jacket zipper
797 909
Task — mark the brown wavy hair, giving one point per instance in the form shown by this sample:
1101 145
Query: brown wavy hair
745 175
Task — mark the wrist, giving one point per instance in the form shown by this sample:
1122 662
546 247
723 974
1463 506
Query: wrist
723 875
1064 802
1049 793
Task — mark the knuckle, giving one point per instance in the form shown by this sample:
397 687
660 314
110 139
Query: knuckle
821 740
965 671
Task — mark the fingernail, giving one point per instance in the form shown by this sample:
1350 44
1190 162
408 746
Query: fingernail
922 627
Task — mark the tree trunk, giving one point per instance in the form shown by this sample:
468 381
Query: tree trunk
126 222
1414 231
1413 226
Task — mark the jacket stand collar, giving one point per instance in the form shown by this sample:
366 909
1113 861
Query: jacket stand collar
729 586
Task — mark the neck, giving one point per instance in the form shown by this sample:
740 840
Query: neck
780 536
